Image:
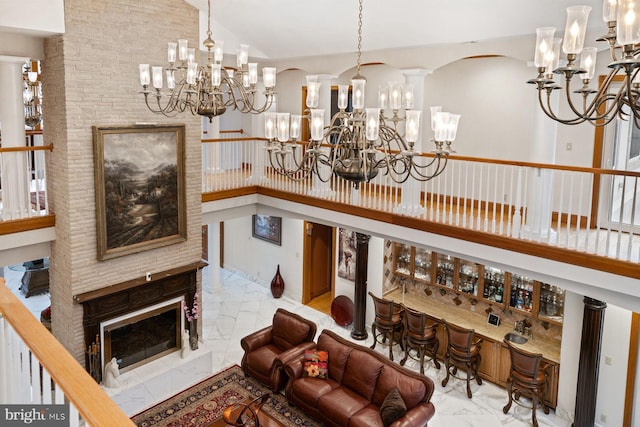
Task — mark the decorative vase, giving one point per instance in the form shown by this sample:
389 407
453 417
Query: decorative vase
277 284
193 335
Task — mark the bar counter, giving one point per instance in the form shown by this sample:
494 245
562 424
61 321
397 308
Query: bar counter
549 347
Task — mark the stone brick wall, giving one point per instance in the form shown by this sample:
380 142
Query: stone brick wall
91 78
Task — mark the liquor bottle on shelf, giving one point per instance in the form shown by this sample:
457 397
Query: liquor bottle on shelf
448 275
422 264
528 304
520 300
499 293
551 302
403 259
493 282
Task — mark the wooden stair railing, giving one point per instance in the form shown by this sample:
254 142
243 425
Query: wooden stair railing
79 388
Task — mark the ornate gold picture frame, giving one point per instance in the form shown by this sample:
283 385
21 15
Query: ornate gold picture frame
140 188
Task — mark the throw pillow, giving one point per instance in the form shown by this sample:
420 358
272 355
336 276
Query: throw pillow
316 364
392 408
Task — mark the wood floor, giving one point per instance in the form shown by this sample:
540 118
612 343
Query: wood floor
322 303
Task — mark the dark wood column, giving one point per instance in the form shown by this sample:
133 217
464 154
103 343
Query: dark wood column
592 322
359 331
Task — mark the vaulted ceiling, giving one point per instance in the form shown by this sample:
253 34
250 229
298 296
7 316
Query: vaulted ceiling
280 29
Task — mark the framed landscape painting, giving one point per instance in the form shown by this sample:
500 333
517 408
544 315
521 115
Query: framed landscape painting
267 228
140 188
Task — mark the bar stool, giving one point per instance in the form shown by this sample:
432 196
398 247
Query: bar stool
462 352
419 335
387 324
528 377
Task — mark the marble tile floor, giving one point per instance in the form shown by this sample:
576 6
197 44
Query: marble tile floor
234 306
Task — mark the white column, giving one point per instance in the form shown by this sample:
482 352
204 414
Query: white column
539 196
259 148
410 202
319 188
14 174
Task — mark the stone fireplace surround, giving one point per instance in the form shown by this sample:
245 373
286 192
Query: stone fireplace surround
120 299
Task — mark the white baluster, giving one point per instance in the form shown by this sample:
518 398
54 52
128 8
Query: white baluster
515 225
561 205
569 209
450 173
633 218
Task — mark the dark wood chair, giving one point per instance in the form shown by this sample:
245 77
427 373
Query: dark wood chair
528 378
269 349
419 336
387 324
462 352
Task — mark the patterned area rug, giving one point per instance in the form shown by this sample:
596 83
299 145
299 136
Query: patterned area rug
205 402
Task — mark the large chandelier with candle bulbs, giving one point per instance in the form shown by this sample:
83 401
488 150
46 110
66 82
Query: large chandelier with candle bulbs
206 90
358 144
601 106
32 94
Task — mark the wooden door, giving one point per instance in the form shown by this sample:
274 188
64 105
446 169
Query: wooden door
318 260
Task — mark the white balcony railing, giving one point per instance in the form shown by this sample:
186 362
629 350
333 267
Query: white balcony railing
23 192
583 209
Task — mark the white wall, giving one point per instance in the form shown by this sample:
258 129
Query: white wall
37 16
614 357
259 259
570 354
290 99
494 101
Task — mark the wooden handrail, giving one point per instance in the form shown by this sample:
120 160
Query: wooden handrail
231 139
595 171
95 407
25 148
240 131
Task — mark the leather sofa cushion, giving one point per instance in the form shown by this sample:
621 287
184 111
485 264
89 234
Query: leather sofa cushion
262 359
362 381
288 331
338 355
367 417
310 389
412 390
339 405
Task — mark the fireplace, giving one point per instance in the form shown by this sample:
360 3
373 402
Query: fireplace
144 335
137 321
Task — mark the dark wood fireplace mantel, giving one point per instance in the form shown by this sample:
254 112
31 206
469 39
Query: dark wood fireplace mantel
126 297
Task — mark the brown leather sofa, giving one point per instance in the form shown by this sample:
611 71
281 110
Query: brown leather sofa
269 349
358 382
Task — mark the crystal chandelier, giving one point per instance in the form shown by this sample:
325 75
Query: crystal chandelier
358 144
599 107
206 90
32 95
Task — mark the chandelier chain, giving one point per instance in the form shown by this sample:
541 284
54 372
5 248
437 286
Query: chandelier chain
209 18
359 36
